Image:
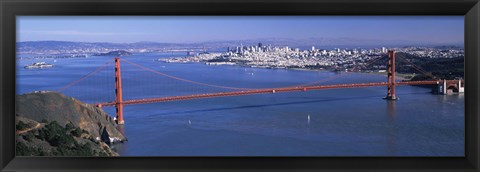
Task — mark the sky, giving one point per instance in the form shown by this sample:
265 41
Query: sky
192 29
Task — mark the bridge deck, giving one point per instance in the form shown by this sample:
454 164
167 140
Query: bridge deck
268 90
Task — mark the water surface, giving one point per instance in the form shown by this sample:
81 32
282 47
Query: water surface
343 122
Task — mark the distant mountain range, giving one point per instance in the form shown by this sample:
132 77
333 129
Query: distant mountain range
55 47
327 43
320 43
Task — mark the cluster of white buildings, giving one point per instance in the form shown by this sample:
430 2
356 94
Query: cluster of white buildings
428 52
286 57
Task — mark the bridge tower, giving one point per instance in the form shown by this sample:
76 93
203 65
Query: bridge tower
118 92
391 76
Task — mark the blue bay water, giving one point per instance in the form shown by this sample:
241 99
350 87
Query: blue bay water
343 122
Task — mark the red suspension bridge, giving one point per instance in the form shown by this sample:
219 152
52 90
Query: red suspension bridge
238 91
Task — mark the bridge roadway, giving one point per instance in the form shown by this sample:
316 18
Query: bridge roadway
268 90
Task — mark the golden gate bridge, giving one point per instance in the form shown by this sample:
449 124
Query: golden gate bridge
391 83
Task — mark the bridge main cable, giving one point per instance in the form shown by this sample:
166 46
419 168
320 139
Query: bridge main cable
84 77
338 76
181 79
418 68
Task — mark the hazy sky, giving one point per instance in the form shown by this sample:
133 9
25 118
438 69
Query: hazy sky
177 29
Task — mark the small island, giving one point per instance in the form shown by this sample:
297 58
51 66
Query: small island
115 53
38 65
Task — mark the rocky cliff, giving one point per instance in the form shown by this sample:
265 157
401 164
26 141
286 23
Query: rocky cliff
47 112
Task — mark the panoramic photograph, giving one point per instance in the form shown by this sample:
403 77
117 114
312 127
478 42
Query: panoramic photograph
302 86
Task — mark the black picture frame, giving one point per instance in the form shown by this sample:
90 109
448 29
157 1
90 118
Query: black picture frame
11 8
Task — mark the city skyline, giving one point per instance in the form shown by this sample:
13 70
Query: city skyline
190 29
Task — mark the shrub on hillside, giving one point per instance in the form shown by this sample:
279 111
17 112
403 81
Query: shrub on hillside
21 126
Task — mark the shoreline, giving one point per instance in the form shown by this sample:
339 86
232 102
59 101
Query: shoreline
399 76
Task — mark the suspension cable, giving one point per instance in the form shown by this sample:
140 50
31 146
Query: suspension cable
84 77
341 75
181 79
416 67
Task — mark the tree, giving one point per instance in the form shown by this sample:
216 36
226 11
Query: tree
21 126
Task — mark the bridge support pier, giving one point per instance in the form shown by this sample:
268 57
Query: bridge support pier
118 92
391 76
442 87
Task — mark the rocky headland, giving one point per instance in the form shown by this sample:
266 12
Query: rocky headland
52 124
